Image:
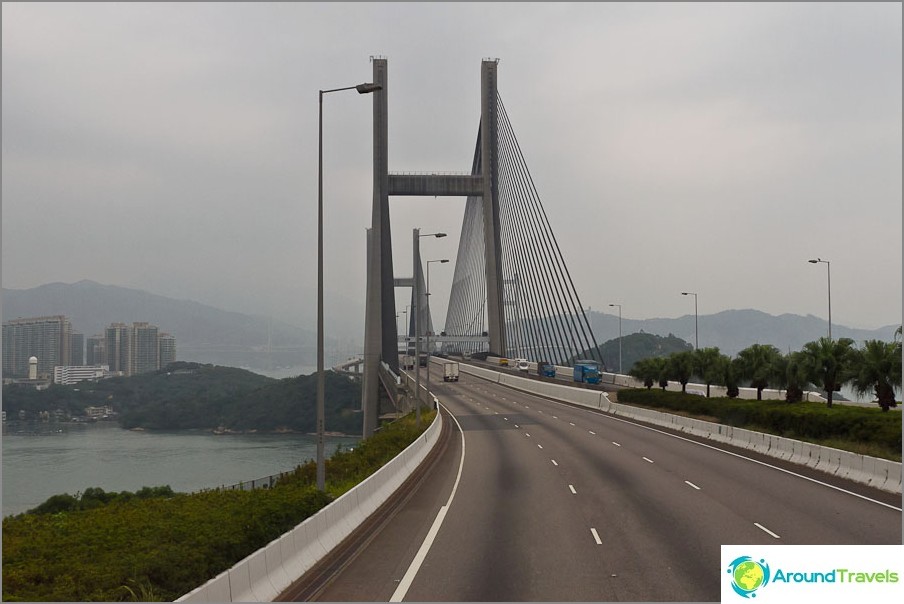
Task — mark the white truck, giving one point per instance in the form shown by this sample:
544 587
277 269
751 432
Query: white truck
408 361
450 371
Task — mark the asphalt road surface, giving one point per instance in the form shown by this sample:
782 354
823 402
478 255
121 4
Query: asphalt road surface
534 500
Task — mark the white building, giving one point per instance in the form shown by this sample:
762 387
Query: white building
70 374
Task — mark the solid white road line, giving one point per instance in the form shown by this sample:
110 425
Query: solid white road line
399 594
573 492
553 462
596 536
592 432
648 459
616 444
689 483
540 446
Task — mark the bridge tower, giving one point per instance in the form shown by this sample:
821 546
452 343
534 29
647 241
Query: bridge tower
380 332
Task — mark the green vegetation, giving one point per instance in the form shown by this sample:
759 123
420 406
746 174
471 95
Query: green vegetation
861 430
824 364
635 347
95 497
163 546
191 395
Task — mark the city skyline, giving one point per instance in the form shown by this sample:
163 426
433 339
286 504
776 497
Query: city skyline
710 148
123 349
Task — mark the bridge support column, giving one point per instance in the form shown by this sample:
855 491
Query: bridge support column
491 224
370 384
380 326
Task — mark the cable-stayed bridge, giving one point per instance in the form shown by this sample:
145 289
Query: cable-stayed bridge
512 293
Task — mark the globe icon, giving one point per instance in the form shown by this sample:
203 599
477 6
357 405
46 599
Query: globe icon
748 575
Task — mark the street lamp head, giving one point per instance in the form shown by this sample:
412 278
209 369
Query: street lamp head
368 88
812 261
444 260
438 235
684 293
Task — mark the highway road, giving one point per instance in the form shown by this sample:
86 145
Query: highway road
534 500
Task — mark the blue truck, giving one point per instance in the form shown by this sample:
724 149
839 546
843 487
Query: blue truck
546 369
587 371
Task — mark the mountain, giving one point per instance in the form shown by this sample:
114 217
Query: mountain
734 330
204 334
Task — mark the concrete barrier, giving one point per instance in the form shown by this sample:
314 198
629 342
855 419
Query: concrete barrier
266 573
880 473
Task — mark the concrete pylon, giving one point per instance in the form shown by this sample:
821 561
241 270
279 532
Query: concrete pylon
489 169
370 399
379 333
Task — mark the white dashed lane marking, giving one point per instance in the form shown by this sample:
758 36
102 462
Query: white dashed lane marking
765 530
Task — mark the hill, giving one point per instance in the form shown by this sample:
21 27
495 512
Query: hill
637 346
194 396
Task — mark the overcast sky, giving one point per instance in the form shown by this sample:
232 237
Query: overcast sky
712 148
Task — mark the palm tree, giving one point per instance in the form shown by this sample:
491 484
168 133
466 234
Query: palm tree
647 370
877 367
757 363
680 367
708 365
826 363
791 376
731 370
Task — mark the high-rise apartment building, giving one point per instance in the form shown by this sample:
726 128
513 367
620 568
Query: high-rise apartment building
143 356
117 337
77 349
47 338
138 348
166 346
96 350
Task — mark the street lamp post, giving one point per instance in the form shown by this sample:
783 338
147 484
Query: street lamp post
829 274
365 88
696 334
429 350
417 327
619 337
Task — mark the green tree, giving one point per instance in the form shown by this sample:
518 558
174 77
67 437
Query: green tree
791 375
877 367
757 363
731 369
708 366
647 370
680 367
827 363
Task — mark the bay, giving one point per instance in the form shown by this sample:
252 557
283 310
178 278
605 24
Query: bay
41 459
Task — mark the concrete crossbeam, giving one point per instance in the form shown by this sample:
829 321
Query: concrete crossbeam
464 185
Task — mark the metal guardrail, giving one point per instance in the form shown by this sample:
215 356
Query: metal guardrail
266 482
